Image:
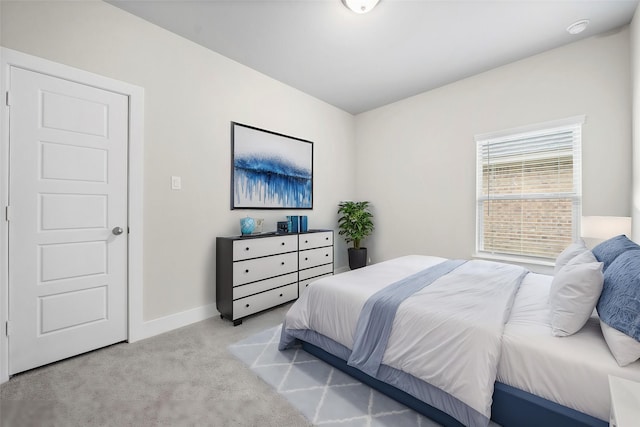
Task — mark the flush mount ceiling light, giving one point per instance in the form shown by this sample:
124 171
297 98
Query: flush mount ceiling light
360 6
578 26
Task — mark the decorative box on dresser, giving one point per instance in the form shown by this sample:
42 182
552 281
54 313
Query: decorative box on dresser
255 273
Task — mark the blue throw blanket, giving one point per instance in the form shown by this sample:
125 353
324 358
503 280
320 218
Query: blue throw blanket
376 319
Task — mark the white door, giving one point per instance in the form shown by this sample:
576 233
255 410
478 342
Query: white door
67 198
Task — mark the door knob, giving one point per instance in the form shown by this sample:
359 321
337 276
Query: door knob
117 231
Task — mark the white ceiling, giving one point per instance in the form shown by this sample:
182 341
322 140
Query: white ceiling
401 48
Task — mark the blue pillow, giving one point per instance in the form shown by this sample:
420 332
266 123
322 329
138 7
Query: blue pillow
607 251
619 303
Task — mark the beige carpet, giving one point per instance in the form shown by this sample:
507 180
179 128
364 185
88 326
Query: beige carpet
185 377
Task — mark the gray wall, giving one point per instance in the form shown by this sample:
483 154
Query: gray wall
191 95
635 78
416 159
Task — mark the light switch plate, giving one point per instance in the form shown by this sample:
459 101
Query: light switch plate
176 183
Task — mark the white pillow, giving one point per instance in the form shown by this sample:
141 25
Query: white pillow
574 293
624 348
584 257
569 253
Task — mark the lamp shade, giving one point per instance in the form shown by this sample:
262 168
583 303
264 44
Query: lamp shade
360 6
605 227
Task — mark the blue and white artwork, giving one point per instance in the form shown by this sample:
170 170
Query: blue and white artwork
270 170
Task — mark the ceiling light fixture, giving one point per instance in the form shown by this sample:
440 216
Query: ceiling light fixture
360 6
578 26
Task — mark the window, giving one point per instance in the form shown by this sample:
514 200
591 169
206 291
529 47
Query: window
529 196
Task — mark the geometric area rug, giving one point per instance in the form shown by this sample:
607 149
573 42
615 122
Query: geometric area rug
323 394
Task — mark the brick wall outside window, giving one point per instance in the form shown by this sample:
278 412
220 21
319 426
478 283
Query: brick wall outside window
527 199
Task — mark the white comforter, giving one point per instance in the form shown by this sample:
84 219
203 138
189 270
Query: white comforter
451 343
572 371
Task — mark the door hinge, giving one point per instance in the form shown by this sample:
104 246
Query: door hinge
7 99
7 213
8 328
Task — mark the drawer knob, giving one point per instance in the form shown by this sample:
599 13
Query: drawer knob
326 238
282 243
280 294
282 262
247 305
306 259
326 254
306 286
306 241
247 248
247 270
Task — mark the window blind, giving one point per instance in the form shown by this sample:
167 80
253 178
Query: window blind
529 192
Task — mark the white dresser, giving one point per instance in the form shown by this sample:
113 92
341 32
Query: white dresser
255 273
315 257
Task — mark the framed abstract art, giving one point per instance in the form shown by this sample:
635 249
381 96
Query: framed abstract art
270 170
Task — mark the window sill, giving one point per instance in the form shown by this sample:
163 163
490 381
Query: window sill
535 265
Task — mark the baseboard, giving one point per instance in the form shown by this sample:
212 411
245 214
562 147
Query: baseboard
174 321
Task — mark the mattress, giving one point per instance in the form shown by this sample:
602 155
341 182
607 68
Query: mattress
461 306
572 371
335 311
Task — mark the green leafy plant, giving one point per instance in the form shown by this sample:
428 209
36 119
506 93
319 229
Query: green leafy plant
355 221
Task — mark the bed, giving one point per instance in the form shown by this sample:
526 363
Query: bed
486 354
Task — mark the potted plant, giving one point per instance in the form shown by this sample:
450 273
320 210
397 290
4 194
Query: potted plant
355 223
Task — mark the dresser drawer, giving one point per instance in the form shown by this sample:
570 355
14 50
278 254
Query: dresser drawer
315 257
259 247
255 273
303 285
315 240
264 285
253 270
315 271
249 305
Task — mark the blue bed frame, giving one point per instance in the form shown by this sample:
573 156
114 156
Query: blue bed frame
511 406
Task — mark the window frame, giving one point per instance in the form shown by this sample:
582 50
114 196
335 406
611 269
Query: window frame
575 124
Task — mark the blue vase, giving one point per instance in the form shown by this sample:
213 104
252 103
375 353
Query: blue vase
247 225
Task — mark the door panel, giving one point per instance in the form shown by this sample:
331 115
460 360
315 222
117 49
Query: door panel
73 163
65 310
66 112
73 211
89 258
67 191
